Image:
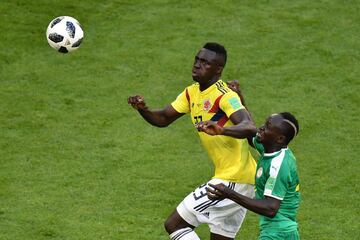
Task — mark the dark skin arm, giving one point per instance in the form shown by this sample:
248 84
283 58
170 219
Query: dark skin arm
267 207
243 126
159 118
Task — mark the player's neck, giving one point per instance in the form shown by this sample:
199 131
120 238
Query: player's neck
206 85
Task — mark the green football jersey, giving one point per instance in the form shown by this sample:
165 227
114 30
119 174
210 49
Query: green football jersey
277 177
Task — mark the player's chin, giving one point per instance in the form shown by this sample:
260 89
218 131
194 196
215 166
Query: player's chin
258 137
195 78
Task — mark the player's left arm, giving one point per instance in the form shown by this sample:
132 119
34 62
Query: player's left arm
243 127
267 207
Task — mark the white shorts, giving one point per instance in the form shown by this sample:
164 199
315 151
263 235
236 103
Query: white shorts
224 217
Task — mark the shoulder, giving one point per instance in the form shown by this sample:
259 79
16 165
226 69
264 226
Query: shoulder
284 161
222 87
232 100
227 93
290 160
193 86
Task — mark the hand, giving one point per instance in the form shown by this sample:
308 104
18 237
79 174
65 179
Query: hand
217 192
234 85
209 127
137 102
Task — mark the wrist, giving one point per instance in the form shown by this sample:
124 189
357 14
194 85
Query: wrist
143 109
222 131
230 194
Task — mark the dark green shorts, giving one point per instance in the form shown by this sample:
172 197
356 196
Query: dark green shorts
294 235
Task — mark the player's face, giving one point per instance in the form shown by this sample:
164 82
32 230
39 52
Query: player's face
270 132
205 66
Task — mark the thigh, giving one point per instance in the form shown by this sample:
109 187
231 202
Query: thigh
175 222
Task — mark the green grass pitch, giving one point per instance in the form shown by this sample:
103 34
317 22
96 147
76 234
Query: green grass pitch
76 162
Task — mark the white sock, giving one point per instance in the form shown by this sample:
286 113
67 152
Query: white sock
184 234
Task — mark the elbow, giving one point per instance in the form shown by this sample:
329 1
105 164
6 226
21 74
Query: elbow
271 213
252 128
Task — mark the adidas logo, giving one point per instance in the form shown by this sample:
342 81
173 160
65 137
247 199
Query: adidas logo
206 214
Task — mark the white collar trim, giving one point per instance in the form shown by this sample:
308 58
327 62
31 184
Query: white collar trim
274 153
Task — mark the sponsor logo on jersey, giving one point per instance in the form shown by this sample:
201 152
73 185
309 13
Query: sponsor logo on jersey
259 172
273 171
207 104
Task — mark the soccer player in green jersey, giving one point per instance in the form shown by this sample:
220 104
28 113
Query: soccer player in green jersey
277 194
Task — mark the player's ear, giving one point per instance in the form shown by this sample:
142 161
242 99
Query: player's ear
281 139
219 69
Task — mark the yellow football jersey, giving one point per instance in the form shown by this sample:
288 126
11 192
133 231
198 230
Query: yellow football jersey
231 156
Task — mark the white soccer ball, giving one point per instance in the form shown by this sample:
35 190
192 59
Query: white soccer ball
64 34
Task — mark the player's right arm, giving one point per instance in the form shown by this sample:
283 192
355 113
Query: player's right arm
160 117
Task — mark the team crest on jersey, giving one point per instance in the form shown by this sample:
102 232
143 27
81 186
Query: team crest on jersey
259 172
207 105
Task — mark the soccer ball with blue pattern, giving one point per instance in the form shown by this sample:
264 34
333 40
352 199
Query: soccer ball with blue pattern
64 34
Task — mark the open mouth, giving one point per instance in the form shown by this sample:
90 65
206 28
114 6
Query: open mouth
258 135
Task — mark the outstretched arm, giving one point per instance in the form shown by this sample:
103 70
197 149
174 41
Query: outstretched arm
267 207
159 118
243 126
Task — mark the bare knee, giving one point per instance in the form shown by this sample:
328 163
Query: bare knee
169 226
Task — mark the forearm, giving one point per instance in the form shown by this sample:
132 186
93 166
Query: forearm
260 206
154 117
242 130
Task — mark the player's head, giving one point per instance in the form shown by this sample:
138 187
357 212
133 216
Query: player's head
221 54
279 129
209 62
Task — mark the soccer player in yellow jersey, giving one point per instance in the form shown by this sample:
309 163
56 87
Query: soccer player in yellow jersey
210 99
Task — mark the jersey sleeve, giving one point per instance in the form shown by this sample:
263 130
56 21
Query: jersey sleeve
277 184
258 146
230 103
182 103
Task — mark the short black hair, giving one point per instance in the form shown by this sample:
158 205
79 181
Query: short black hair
218 48
289 131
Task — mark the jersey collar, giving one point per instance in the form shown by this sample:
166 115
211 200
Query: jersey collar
273 154
209 89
